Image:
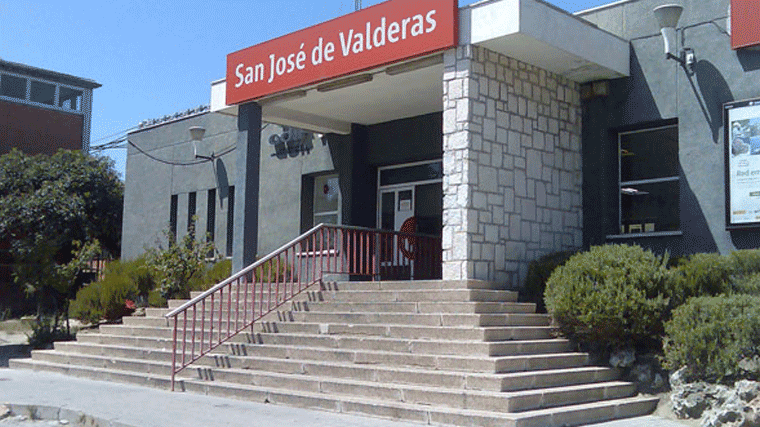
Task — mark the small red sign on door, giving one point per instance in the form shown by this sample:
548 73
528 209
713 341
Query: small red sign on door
383 34
745 23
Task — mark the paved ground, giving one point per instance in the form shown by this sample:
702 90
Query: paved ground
118 405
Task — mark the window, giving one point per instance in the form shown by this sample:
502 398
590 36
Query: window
173 217
211 216
43 93
326 200
27 90
70 99
191 206
12 86
649 181
230 219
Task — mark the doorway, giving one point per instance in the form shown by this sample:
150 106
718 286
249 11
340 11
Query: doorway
410 200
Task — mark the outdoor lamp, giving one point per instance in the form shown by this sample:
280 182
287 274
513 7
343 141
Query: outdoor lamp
667 17
196 134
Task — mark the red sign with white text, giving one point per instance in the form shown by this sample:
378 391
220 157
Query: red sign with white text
379 35
745 23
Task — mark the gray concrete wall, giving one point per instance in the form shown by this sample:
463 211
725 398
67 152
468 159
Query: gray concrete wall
659 90
164 168
280 192
512 159
151 183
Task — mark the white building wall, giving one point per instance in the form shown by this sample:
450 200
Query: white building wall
512 165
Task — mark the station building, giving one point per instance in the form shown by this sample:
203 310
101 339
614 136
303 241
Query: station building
508 128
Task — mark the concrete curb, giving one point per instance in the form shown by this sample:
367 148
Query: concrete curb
73 418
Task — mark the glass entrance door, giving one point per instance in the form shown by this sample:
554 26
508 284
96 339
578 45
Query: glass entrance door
410 200
397 206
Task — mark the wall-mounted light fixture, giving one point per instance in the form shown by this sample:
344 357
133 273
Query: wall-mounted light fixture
287 96
414 65
196 134
667 17
344 83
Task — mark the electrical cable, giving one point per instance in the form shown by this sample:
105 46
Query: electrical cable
115 145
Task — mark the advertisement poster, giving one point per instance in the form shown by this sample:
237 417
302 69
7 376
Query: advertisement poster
743 163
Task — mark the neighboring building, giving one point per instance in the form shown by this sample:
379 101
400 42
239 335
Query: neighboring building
511 129
42 111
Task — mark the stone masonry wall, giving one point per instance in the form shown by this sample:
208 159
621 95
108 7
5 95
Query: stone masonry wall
512 165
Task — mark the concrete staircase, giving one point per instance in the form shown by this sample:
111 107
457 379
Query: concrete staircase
458 353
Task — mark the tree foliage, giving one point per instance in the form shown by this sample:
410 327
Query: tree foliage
47 203
69 196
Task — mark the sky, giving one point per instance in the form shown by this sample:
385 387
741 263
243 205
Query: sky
156 57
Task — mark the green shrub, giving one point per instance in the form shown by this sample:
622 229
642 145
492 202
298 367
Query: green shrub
86 306
701 275
47 331
709 335
746 284
156 300
610 297
211 276
106 298
114 292
539 272
176 266
746 262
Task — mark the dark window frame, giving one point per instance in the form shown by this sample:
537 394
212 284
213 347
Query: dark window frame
624 187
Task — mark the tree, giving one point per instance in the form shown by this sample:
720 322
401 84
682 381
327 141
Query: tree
47 203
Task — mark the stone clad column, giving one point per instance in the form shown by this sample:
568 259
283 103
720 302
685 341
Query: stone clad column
246 216
512 165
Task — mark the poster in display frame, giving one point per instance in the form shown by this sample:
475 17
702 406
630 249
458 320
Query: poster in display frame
741 124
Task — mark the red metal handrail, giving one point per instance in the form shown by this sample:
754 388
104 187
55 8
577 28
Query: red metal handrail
276 279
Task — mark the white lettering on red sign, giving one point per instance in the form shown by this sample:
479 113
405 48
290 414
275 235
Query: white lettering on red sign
351 43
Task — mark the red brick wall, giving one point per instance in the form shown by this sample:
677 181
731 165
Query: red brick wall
38 130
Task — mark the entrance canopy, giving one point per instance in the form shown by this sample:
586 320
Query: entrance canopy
531 31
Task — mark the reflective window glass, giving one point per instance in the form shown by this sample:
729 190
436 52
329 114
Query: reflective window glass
42 92
70 99
12 86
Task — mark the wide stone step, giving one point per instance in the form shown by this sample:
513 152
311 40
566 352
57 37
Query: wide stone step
418 307
510 319
313 332
428 414
424 346
414 285
542 379
431 394
479 295
445 347
490 333
518 381
418 285
485 364
403 385
418 319
241 355
237 355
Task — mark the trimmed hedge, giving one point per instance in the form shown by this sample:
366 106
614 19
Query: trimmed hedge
611 297
710 335
701 275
